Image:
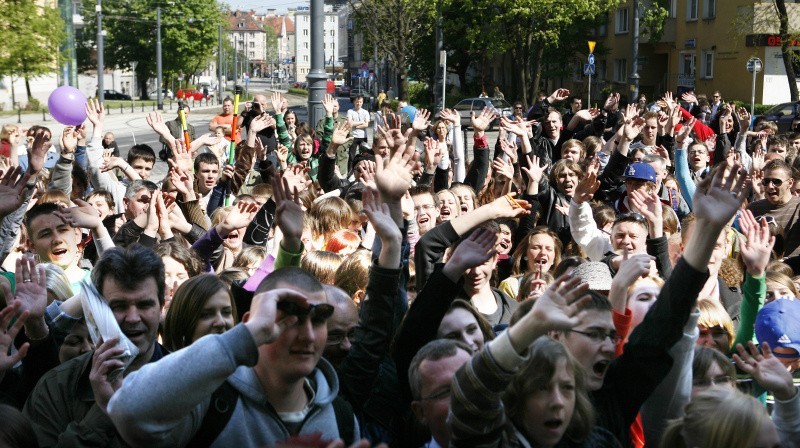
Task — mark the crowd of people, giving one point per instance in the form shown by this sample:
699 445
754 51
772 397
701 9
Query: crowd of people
616 277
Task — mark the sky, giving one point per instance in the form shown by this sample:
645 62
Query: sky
262 6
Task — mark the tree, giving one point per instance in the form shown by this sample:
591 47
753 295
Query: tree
397 27
31 37
188 36
788 55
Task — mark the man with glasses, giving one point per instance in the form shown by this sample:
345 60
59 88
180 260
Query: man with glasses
780 204
259 384
425 209
716 102
341 326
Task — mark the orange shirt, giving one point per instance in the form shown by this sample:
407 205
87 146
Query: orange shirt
227 120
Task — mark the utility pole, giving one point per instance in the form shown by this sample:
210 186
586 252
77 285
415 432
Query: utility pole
99 10
440 68
235 58
634 80
316 77
219 66
159 94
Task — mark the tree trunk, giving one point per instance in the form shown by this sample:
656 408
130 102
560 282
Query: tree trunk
143 88
403 87
536 69
791 76
28 87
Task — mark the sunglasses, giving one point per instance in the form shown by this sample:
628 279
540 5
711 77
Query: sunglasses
769 180
318 313
630 216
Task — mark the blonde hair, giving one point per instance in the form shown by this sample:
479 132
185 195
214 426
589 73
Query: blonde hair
782 279
329 216
7 130
712 314
720 417
322 265
521 252
250 256
353 273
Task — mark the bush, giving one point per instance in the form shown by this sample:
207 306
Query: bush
296 91
33 105
419 95
759 109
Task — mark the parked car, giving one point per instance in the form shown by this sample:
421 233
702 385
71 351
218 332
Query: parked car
345 90
167 94
786 116
466 106
111 94
300 85
188 94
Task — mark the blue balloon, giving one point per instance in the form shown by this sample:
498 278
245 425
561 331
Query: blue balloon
67 105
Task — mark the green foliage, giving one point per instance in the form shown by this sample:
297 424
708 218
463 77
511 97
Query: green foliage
189 32
759 108
297 91
420 95
653 20
31 36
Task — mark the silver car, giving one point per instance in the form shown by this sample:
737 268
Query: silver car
466 106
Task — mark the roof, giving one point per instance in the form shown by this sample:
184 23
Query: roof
276 23
244 21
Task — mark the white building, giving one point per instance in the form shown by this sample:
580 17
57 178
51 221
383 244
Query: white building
248 37
333 51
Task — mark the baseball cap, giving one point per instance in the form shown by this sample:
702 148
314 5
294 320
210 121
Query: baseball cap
778 324
595 273
641 171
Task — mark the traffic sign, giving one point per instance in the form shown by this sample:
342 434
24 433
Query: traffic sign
364 66
588 69
591 46
591 58
754 65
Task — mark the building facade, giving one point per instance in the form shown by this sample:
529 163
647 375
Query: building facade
333 52
248 38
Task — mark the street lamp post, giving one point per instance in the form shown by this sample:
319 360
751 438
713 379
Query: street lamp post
100 87
159 94
316 77
634 81
219 66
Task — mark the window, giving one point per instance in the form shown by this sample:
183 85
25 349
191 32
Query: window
241 24
708 64
332 33
305 45
600 72
252 45
620 70
622 21
691 10
305 32
602 30
709 9
252 54
305 58
252 34
673 9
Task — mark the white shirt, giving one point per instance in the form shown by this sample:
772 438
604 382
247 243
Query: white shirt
360 115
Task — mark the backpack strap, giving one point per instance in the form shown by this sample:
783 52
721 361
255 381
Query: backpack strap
344 420
223 403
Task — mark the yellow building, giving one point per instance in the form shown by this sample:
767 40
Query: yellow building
705 46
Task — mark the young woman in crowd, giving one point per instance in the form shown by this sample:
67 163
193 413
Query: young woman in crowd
202 305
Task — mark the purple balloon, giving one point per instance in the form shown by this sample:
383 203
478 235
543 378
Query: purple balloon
67 105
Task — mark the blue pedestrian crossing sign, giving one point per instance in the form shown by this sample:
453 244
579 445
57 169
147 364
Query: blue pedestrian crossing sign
588 69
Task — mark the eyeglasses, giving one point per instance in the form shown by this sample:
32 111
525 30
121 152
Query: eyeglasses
769 180
319 313
337 337
600 336
426 207
708 382
697 152
436 396
518 108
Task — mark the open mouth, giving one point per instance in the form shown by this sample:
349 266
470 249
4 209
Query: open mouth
59 252
600 368
233 237
464 208
424 219
444 212
505 244
553 423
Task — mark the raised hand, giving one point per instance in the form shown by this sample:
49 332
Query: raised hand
393 173
260 123
95 112
631 268
686 129
68 140
296 177
503 168
689 98
265 323
558 308
588 114
105 361
182 181
240 216
277 103
12 188
340 134
482 121
534 171
366 174
649 205
110 163
766 369
432 154
508 207
421 120
587 186
328 104
83 216
519 128
472 252
634 128
282 152
7 335
288 212
756 177
450 115
509 148
182 157
380 218
630 113
744 119
38 151
756 251
718 197
611 102
156 121
558 95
